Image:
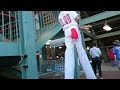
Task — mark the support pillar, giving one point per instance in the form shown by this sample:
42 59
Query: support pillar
104 54
83 41
77 65
40 61
44 56
28 47
53 52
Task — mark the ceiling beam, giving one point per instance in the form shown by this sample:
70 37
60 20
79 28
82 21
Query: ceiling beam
108 21
99 16
108 34
105 35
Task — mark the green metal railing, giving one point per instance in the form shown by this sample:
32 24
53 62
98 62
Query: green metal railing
52 66
45 20
9 30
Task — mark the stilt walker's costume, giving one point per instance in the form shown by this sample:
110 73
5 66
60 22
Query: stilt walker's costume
73 37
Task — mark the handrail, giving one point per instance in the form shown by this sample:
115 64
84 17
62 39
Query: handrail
7 28
7 15
8 23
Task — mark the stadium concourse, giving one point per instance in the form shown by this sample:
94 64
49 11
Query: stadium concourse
109 72
32 43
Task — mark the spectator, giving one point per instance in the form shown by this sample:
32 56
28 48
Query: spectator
111 57
95 54
116 51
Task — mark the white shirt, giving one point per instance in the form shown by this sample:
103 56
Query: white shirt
95 52
67 19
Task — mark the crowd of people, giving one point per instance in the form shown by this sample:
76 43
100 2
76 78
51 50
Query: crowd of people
114 54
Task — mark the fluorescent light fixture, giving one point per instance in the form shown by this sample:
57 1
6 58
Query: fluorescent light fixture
107 27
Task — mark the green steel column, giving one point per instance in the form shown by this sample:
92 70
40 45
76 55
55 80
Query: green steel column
38 61
41 60
104 54
83 40
53 52
44 58
77 65
93 33
40 52
29 62
44 53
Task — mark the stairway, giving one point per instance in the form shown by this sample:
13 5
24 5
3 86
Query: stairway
10 54
9 44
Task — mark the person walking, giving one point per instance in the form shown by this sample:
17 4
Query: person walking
95 54
69 21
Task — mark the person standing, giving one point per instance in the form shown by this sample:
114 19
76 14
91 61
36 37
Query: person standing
95 54
69 21
116 51
111 56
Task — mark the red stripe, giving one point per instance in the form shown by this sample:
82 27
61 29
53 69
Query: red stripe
7 28
7 15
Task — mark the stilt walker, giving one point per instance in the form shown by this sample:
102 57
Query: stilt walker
69 21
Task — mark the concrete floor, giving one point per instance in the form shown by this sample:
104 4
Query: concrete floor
108 71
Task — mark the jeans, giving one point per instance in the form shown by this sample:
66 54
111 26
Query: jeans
96 63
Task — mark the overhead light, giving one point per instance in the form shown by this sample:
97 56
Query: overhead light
107 27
